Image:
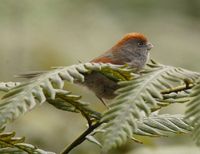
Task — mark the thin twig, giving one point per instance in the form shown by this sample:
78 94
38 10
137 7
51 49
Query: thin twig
81 138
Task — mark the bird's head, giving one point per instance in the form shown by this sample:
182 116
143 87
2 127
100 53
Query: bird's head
132 49
133 41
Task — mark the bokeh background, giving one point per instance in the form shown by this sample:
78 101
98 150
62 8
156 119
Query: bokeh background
39 34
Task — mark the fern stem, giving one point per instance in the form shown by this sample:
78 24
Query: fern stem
177 89
84 111
81 138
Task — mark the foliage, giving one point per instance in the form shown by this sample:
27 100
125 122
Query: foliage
162 125
193 112
136 98
11 144
131 113
37 90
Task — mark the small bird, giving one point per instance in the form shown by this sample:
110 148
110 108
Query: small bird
132 49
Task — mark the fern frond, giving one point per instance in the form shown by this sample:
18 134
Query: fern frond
136 98
27 95
193 112
154 126
74 104
11 144
6 86
162 125
174 97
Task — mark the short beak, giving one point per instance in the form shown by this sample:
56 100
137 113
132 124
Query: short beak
149 46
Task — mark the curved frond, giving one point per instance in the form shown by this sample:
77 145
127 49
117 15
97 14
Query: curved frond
11 144
136 98
193 112
162 125
154 126
27 95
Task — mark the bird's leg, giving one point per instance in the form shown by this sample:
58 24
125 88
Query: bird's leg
102 101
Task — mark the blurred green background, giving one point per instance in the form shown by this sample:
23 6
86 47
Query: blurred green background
38 34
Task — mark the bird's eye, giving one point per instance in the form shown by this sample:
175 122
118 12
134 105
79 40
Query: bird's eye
140 44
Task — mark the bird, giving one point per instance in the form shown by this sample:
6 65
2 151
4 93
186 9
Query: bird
132 50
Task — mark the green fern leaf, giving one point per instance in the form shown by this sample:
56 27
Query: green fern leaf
6 86
193 112
162 125
26 96
174 97
156 126
11 144
136 98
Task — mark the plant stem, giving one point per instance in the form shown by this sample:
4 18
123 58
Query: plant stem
81 138
85 111
177 89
